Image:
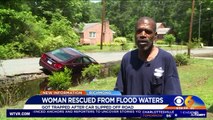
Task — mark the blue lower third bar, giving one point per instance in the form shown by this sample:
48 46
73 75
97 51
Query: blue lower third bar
108 113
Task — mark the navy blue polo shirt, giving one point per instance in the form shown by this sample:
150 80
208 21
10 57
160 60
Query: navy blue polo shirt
158 76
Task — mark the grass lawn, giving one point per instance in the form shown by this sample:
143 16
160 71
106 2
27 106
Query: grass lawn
105 48
196 79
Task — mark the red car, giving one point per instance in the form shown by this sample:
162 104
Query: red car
56 60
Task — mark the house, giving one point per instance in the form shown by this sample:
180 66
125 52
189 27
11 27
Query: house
162 30
91 33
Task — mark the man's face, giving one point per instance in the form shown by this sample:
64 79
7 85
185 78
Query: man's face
145 34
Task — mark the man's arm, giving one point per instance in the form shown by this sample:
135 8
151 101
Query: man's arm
120 83
172 82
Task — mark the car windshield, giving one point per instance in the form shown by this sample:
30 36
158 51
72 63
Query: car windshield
62 54
92 59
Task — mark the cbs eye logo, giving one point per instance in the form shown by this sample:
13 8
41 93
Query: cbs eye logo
178 101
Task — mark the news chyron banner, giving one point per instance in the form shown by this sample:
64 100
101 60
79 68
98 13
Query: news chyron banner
109 104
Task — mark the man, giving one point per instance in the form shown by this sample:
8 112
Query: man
148 70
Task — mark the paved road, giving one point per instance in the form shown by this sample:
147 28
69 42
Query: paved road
31 65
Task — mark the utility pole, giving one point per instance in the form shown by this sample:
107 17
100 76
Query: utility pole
102 23
190 29
200 3
210 24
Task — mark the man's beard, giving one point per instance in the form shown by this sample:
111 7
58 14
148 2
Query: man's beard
144 44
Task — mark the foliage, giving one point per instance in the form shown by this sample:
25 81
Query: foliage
92 71
125 46
56 42
112 47
11 50
60 80
114 70
176 14
11 93
60 26
130 37
169 39
22 28
38 24
160 42
191 45
34 36
75 11
181 59
121 40
116 30
95 12
195 43
38 29
193 81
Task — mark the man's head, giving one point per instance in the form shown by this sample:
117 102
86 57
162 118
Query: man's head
145 32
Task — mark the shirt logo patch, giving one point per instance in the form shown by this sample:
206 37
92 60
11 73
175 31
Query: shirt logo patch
158 72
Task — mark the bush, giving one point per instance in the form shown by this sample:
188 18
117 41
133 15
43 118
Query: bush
114 70
106 44
91 72
169 39
196 43
160 42
125 46
60 80
121 40
11 50
181 59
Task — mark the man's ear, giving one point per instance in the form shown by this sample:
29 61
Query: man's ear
156 35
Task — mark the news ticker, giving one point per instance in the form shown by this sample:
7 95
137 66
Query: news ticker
110 104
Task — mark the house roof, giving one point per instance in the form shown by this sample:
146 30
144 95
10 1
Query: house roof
88 25
163 30
158 25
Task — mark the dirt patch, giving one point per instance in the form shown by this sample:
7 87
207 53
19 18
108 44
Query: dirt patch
210 115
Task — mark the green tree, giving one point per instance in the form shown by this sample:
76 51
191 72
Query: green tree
169 39
116 30
23 28
35 26
17 5
75 11
60 26
120 14
206 27
95 11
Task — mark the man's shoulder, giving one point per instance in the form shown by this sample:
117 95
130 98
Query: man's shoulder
165 53
130 53
166 56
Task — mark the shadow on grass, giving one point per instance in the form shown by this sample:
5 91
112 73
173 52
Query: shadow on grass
210 109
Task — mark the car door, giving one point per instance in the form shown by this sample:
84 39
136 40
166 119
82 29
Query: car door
77 65
86 61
